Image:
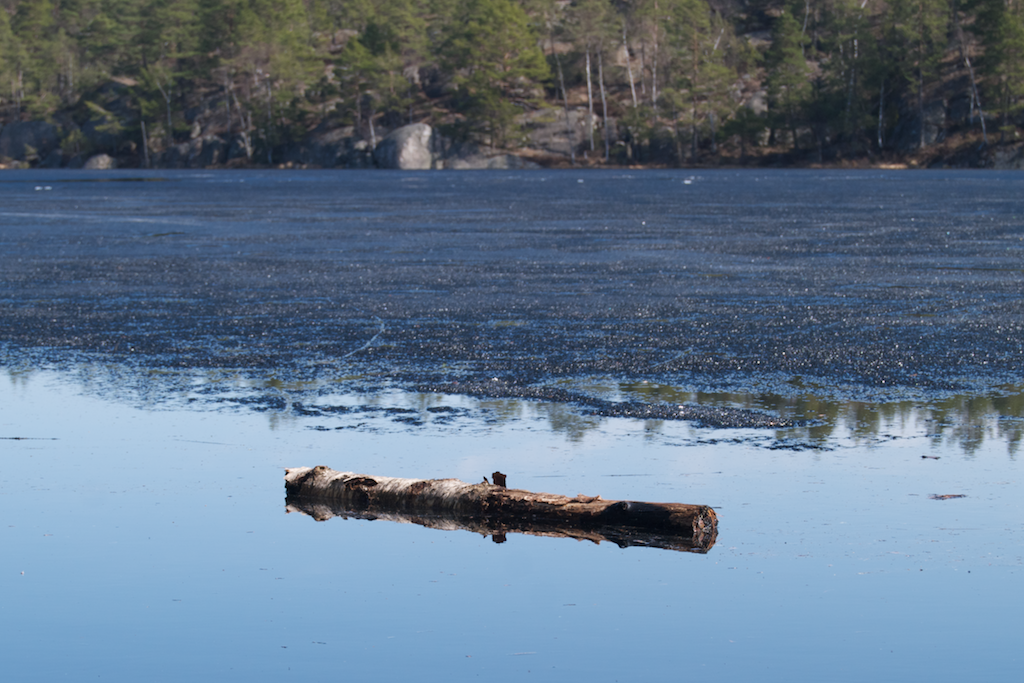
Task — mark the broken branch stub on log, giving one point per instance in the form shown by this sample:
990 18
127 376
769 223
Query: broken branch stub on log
491 509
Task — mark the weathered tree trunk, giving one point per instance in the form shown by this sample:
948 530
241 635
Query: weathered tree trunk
654 61
167 102
569 138
629 66
270 122
493 509
920 108
244 126
974 84
145 141
590 103
714 132
643 67
881 113
604 106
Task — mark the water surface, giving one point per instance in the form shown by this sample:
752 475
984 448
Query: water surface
167 348
153 543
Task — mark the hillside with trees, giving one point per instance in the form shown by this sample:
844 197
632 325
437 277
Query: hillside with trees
321 83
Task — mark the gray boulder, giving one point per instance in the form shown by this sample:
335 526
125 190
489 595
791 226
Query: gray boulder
28 140
100 162
409 148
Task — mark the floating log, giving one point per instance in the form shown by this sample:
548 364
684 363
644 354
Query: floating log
494 510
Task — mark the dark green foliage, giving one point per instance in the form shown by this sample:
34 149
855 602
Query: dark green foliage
839 74
490 50
1000 25
789 87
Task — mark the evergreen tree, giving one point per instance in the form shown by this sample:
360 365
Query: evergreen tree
788 85
1000 24
917 35
497 65
592 29
851 73
11 56
168 44
836 67
110 38
37 64
702 76
265 50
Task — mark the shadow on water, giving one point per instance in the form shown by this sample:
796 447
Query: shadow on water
345 403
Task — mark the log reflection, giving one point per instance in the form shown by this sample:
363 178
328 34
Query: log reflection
624 537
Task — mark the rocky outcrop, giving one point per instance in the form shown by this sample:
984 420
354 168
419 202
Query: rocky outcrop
1005 157
201 152
31 141
494 162
106 115
327 147
409 148
413 147
469 156
546 130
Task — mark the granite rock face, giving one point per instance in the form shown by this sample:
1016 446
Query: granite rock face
409 148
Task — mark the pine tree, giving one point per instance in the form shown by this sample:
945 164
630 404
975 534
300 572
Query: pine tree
110 38
493 54
168 43
788 85
917 35
1001 27
265 46
11 56
702 77
34 27
592 29
851 73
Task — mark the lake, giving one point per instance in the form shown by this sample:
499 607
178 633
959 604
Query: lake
170 342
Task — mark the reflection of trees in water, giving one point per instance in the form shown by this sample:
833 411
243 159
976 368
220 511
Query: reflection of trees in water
19 378
965 421
566 419
561 418
968 420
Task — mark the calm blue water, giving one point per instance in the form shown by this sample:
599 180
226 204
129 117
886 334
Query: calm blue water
152 543
145 537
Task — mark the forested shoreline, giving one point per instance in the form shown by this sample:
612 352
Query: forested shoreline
190 83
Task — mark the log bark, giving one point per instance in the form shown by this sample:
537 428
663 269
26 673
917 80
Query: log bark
494 510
